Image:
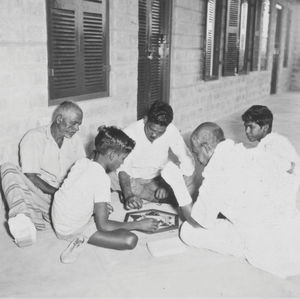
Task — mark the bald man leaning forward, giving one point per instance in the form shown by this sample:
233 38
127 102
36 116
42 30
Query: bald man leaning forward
257 196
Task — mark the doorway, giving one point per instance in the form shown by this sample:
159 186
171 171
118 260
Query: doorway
154 53
276 50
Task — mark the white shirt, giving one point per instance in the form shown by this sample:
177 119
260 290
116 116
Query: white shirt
40 154
258 196
236 182
280 146
73 205
148 158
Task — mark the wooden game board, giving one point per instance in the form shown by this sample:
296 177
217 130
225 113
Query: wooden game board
167 221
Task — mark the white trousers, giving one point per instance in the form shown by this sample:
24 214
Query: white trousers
223 238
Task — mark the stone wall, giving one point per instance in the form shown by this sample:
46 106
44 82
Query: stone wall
24 83
23 72
195 100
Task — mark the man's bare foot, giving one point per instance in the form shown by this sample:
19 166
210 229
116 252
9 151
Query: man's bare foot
161 193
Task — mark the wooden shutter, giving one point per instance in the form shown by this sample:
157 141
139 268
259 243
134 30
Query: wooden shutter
244 36
143 68
153 66
287 38
264 39
155 62
94 52
63 40
256 36
231 38
77 48
164 48
214 18
210 37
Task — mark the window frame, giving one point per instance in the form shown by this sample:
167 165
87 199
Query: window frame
265 66
256 33
287 38
82 93
243 69
231 38
252 44
214 60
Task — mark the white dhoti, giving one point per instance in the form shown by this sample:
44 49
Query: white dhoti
223 238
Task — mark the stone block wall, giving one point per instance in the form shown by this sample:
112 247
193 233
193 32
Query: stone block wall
24 82
195 100
23 73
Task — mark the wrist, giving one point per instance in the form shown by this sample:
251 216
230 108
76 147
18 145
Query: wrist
135 225
128 195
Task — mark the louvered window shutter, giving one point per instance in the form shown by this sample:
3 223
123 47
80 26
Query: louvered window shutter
231 38
287 38
210 37
264 34
153 66
214 18
143 70
155 62
77 46
256 36
243 36
150 64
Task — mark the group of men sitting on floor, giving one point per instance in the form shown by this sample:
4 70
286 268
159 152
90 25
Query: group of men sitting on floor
246 204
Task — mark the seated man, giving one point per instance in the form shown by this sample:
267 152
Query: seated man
81 208
147 173
255 194
46 155
258 122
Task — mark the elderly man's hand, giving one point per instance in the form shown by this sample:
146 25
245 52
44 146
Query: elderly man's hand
186 212
133 202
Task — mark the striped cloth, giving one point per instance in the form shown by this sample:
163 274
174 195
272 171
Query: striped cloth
22 196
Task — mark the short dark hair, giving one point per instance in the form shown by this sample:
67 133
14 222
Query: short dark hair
260 115
160 113
112 138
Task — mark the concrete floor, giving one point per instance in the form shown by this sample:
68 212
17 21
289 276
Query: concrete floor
37 272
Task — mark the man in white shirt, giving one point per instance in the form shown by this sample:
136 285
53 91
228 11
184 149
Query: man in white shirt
147 173
256 195
258 121
46 155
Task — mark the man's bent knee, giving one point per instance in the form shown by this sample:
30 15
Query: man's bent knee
131 241
8 166
187 233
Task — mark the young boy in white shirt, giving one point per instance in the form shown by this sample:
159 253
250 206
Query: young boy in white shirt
258 122
81 208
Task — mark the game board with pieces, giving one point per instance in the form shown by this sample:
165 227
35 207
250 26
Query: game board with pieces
167 221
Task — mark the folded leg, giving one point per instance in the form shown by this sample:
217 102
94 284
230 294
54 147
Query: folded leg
223 238
23 197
